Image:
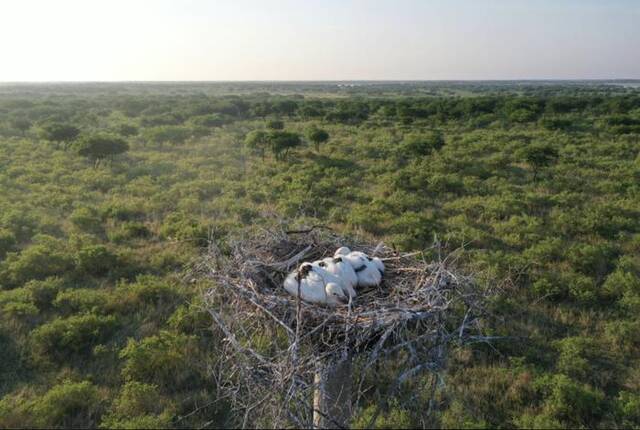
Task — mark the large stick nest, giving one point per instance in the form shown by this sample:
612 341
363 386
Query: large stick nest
275 340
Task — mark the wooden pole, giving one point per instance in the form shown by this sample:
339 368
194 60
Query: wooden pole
332 394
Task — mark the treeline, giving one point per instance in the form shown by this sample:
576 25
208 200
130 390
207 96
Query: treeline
196 114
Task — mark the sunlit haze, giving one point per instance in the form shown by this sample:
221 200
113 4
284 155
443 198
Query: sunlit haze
81 40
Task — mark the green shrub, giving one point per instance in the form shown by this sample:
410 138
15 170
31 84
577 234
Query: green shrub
573 360
139 405
419 145
455 417
95 260
101 145
86 219
190 319
628 409
65 405
7 242
64 337
37 261
571 403
59 132
394 418
167 134
147 290
81 300
127 130
69 404
165 360
182 227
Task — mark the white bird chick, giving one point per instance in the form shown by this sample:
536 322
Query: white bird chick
379 264
350 257
335 294
312 287
343 271
367 270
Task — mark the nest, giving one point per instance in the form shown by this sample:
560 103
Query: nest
275 341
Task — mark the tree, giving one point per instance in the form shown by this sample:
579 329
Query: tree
257 141
282 141
538 156
317 136
100 146
275 124
21 124
418 145
127 130
212 120
168 133
58 132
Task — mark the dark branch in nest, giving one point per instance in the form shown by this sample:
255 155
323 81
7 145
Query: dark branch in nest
276 341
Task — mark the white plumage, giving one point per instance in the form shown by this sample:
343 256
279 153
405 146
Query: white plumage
343 271
310 281
333 280
335 294
368 270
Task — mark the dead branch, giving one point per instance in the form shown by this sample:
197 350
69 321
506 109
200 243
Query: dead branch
277 340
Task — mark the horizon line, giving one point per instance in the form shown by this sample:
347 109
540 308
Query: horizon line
320 81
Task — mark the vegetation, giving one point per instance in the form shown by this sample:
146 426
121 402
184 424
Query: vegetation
107 196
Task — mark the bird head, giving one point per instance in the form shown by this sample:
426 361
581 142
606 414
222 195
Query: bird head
304 270
343 250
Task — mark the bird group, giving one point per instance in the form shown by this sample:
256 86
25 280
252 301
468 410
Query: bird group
334 280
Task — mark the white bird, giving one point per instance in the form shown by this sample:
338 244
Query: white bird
379 264
312 287
335 294
369 270
343 271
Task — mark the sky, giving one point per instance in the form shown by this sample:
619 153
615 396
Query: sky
199 40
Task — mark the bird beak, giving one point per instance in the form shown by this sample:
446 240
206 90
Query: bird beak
343 300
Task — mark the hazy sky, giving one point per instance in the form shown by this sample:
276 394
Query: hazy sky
70 40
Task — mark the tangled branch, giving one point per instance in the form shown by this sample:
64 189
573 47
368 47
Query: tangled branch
276 341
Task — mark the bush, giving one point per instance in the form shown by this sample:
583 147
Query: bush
38 261
619 283
628 409
571 403
66 405
7 242
81 300
139 405
213 120
69 405
59 132
64 337
420 145
95 260
182 227
86 219
275 124
167 134
43 292
99 146
146 290
575 353
128 230
127 130
394 418
163 360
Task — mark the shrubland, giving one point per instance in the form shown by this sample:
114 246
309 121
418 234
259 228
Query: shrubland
106 198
